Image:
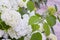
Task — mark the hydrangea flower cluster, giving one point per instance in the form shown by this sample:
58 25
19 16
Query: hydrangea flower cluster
20 21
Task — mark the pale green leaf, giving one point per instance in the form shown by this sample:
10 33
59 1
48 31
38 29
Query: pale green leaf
24 0
36 36
22 11
46 29
35 27
30 6
51 20
34 19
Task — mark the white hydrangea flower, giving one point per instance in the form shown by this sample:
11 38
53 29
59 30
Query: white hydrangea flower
52 37
25 28
21 3
1 33
5 3
14 5
26 18
5 36
11 17
12 33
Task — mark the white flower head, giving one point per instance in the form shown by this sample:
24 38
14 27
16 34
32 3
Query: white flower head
5 3
13 4
1 33
12 33
21 3
11 17
5 36
24 29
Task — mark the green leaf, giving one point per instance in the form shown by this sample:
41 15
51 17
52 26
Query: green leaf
51 10
22 11
24 0
46 29
22 38
30 6
51 20
37 14
36 36
34 19
3 26
35 27
37 3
